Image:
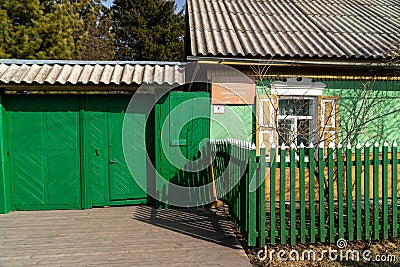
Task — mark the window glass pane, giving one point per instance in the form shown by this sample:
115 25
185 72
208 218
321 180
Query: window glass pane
303 132
288 134
286 130
295 107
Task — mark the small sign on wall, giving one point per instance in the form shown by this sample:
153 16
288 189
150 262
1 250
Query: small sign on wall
236 90
219 109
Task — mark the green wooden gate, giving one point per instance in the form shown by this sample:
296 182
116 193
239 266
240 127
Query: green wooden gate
65 151
110 181
44 151
184 127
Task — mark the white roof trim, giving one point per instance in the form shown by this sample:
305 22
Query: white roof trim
298 86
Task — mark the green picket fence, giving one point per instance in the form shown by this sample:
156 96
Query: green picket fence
315 194
236 170
330 215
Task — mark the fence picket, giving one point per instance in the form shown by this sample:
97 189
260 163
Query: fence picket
375 160
272 199
261 214
349 196
331 199
282 204
321 191
395 162
367 216
358 205
311 165
252 203
385 217
339 164
303 229
292 195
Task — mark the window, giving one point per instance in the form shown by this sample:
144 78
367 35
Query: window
296 112
295 120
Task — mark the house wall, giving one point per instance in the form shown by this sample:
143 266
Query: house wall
236 122
373 106
380 119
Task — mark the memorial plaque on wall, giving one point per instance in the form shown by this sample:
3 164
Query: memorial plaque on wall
235 90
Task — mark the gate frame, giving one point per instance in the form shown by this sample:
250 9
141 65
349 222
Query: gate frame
5 186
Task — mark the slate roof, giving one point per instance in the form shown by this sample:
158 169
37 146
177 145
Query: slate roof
90 72
363 29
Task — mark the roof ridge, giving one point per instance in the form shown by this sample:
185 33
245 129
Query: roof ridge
85 62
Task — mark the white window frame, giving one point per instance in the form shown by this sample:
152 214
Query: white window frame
304 88
313 117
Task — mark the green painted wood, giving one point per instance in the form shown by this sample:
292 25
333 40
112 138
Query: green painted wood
358 207
245 192
161 163
349 196
261 219
321 191
302 178
272 203
252 200
367 177
184 118
331 197
282 201
292 195
225 125
311 166
387 91
237 192
340 193
375 165
334 225
395 214
385 213
123 185
96 140
44 148
86 193
111 182
5 189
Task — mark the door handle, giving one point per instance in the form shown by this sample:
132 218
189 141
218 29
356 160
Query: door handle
113 161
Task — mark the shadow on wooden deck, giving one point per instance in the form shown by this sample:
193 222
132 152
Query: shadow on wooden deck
202 224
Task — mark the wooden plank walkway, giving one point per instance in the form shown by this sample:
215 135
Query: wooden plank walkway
119 236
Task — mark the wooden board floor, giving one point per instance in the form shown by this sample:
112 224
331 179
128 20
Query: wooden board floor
118 236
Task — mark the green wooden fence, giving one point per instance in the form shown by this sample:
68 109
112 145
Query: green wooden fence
358 199
236 166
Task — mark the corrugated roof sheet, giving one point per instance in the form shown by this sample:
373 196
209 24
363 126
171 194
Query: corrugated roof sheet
75 72
293 28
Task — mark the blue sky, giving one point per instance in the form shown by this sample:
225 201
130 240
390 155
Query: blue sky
179 3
